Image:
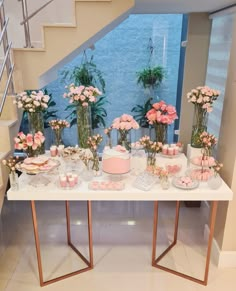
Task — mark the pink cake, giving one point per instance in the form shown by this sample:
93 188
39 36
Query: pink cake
116 161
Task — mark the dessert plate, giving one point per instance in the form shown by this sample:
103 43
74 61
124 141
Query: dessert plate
176 183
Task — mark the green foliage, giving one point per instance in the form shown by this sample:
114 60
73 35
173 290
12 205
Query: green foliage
88 74
151 77
141 111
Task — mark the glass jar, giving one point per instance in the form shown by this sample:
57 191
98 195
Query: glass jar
165 183
124 139
13 177
215 182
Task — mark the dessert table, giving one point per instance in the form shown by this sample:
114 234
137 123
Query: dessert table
53 192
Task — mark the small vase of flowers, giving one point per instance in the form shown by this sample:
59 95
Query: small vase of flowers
58 126
151 148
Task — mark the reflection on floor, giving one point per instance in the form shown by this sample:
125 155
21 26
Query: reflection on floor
122 235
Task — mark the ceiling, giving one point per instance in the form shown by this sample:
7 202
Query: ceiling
180 6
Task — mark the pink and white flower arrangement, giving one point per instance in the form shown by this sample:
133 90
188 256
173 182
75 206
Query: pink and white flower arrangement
125 122
94 141
208 141
11 163
161 113
82 95
217 167
33 102
203 96
58 124
151 148
29 142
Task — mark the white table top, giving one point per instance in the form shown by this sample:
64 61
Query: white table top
81 192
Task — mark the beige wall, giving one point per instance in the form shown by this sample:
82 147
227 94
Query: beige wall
50 14
226 216
199 29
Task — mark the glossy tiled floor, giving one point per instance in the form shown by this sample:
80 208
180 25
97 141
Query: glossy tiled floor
122 235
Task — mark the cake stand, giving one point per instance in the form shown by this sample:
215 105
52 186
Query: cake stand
38 178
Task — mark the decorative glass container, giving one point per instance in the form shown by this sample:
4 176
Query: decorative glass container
84 125
14 180
124 139
57 135
151 159
199 125
215 182
96 165
36 123
161 132
165 183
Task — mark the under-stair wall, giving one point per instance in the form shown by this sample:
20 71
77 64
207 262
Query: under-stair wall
93 19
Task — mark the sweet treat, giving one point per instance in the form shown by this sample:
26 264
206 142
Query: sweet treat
106 185
116 160
63 182
30 167
201 174
53 151
185 181
173 169
170 150
204 161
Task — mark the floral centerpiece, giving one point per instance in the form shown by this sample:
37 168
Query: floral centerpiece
57 125
34 103
208 142
83 97
161 173
29 143
203 98
160 116
93 143
151 148
124 124
11 165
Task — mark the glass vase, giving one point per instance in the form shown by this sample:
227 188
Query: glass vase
124 139
84 125
161 132
199 125
165 183
95 165
13 177
151 159
36 123
57 135
215 182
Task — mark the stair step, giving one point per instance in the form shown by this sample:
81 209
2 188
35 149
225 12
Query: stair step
8 123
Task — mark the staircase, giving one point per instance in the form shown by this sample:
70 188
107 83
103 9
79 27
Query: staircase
34 68
61 43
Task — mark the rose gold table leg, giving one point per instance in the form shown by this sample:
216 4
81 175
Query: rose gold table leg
90 237
37 245
211 234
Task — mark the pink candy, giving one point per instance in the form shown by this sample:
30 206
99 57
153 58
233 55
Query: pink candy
106 185
69 180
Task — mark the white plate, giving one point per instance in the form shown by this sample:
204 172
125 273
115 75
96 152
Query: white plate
175 183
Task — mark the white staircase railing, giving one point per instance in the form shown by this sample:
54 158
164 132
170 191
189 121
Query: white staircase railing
7 65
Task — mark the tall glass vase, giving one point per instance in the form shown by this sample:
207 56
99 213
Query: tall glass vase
57 135
124 139
199 125
84 125
151 159
36 123
161 132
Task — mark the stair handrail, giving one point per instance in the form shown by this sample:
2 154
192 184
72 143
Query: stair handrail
27 17
7 62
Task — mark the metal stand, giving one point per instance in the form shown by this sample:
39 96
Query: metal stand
37 244
155 260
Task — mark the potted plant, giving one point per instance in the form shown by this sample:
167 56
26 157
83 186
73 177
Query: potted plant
87 74
151 76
